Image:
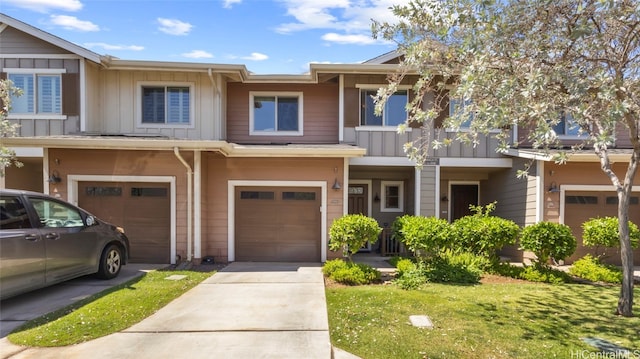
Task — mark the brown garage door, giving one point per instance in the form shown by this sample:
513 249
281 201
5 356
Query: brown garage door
142 209
277 224
584 205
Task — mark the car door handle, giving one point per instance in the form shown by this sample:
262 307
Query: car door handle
53 236
31 237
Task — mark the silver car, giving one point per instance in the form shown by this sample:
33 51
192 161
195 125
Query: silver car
44 241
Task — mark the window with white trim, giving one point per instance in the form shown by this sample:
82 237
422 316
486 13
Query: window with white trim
567 126
393 113
276 113
166 104
392 196
41 93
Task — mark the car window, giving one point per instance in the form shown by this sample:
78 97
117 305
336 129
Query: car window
13 214
54 214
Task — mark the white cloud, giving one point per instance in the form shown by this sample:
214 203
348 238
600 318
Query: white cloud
174 27
45 6
227 4
256 56
346 39
110 47
197 54
73 23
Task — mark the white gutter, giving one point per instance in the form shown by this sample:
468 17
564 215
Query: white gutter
176 151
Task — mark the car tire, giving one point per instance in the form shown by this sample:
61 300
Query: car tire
110 262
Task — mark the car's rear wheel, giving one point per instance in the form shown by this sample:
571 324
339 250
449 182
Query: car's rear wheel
110 262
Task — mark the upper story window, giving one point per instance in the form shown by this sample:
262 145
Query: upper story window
393 114
276 113
567 126
393 196
41 92
166 104
457 105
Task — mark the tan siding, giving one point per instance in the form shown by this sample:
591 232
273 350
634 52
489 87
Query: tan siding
622 137
320 115
428 191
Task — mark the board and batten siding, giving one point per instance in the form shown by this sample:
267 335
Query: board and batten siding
428 191
320 116
119 104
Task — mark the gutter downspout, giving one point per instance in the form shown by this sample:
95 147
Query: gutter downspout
176 151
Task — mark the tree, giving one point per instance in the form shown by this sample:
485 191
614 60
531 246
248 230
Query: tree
527 64
7 129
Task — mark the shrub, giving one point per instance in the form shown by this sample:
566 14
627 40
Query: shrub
604 232
506 270
455 268
539 273
405 265
413 278
483 234
546 240
590 268
350 273
352 231
421 234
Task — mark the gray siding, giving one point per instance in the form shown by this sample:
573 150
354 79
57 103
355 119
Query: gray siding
428 191
13 41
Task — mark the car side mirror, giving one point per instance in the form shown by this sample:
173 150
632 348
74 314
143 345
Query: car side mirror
90 221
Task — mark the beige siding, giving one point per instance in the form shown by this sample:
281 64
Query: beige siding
119 103
320 116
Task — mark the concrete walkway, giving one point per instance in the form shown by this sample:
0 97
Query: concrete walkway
247 310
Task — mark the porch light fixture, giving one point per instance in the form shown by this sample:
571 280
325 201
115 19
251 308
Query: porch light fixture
55 177
553 188
444 199
336 185
376 198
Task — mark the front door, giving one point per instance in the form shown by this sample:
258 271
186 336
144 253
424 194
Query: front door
462 196
358 203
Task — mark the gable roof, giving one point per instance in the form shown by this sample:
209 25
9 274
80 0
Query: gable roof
45 36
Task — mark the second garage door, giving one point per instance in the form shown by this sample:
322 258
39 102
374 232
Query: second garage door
142 209
277 224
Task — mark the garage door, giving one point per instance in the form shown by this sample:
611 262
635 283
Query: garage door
277 224
584 205
142 209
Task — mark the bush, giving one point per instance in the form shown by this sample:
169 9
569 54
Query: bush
421 234
590 268
352 231
538 273
506 270
405 265
456 268
546 240
350 273
483 234
604 232
412 278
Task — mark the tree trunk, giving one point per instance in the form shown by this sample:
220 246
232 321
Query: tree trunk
625 302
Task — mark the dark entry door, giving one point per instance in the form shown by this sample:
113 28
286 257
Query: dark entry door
358 199
462 196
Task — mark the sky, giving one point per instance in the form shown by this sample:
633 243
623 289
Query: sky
267 36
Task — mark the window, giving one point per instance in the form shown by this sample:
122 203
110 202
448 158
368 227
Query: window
41 94
567 126
166 104
276 113
457 105
55 214
257 195
394 112
13 215
392 196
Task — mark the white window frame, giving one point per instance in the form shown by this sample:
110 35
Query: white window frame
564 136
383 196
35 73
375 87
192 97
299 95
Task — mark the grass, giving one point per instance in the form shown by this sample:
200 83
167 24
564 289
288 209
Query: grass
107 312
502 320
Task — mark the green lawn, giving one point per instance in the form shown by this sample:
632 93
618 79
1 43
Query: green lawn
107 312
513 320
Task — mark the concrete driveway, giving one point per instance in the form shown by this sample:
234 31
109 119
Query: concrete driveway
246 310
17 310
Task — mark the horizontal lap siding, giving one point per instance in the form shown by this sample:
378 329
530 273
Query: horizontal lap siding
320 116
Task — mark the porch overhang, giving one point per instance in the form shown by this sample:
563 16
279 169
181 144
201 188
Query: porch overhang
168 144
615 155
